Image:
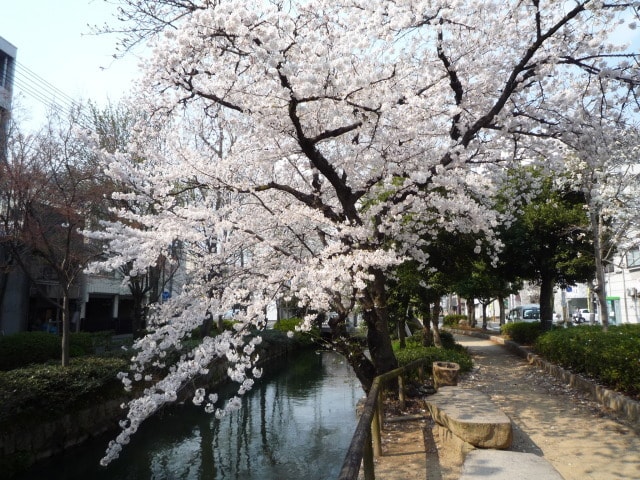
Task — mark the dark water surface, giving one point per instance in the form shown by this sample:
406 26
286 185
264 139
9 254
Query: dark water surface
296 423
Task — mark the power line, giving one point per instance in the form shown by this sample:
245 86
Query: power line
32 77
36 87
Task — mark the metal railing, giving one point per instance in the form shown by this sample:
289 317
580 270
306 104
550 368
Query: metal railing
366 442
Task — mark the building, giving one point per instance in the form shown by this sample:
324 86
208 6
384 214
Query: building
13 309
7 66
30 291
622 289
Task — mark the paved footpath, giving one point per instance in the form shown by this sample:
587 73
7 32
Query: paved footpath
549 419
552 420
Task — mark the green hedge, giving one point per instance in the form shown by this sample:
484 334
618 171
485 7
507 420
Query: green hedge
524 333
453 320
289 325
42 391
612 357
415 351
25 348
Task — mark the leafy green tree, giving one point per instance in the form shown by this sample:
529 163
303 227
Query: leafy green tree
549 240
418 290
488 282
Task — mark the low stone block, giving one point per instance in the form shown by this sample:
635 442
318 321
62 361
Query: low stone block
472 416
504 465
453 447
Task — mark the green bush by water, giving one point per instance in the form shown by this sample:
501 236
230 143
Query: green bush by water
611 357
290 324
49 390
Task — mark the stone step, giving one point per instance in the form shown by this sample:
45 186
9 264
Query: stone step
471 416
506 465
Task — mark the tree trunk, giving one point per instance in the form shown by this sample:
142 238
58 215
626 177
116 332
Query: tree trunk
502 310
376 317
207 325
5 269
65 327
138 312
471 312
484 315
402 335
402 322
353 351
434 321
427 337
600 280
546 300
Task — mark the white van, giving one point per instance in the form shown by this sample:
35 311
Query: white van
524 313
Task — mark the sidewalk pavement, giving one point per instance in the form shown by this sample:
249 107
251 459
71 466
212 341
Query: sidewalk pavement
580 439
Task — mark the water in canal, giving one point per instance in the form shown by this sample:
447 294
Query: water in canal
296 423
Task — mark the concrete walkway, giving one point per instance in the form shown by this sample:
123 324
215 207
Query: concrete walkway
551 420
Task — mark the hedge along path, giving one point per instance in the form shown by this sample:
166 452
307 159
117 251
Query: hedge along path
553 420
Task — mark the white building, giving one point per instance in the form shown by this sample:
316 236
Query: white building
622 290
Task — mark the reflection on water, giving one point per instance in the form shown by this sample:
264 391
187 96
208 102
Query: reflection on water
296 423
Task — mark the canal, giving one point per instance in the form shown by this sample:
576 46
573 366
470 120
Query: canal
296 423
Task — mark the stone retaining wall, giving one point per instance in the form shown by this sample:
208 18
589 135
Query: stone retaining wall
52 437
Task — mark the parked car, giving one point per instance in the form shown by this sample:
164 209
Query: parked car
582 316
524 313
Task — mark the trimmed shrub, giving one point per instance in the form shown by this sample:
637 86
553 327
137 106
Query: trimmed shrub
612 357
25 348
80 343
417 340
413 352
434 354
42 391
453 320
289 325
524 333
447 340
413 340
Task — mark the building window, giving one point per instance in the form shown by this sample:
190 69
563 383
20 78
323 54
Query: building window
5 66
633 258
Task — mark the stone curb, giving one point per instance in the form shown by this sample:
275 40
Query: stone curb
626 407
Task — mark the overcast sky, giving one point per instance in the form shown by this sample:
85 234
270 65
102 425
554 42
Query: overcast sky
54 41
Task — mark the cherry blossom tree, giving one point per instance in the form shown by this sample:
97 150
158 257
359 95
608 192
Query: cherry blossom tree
342 136
604 166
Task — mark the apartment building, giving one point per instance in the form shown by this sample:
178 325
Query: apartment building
7 66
